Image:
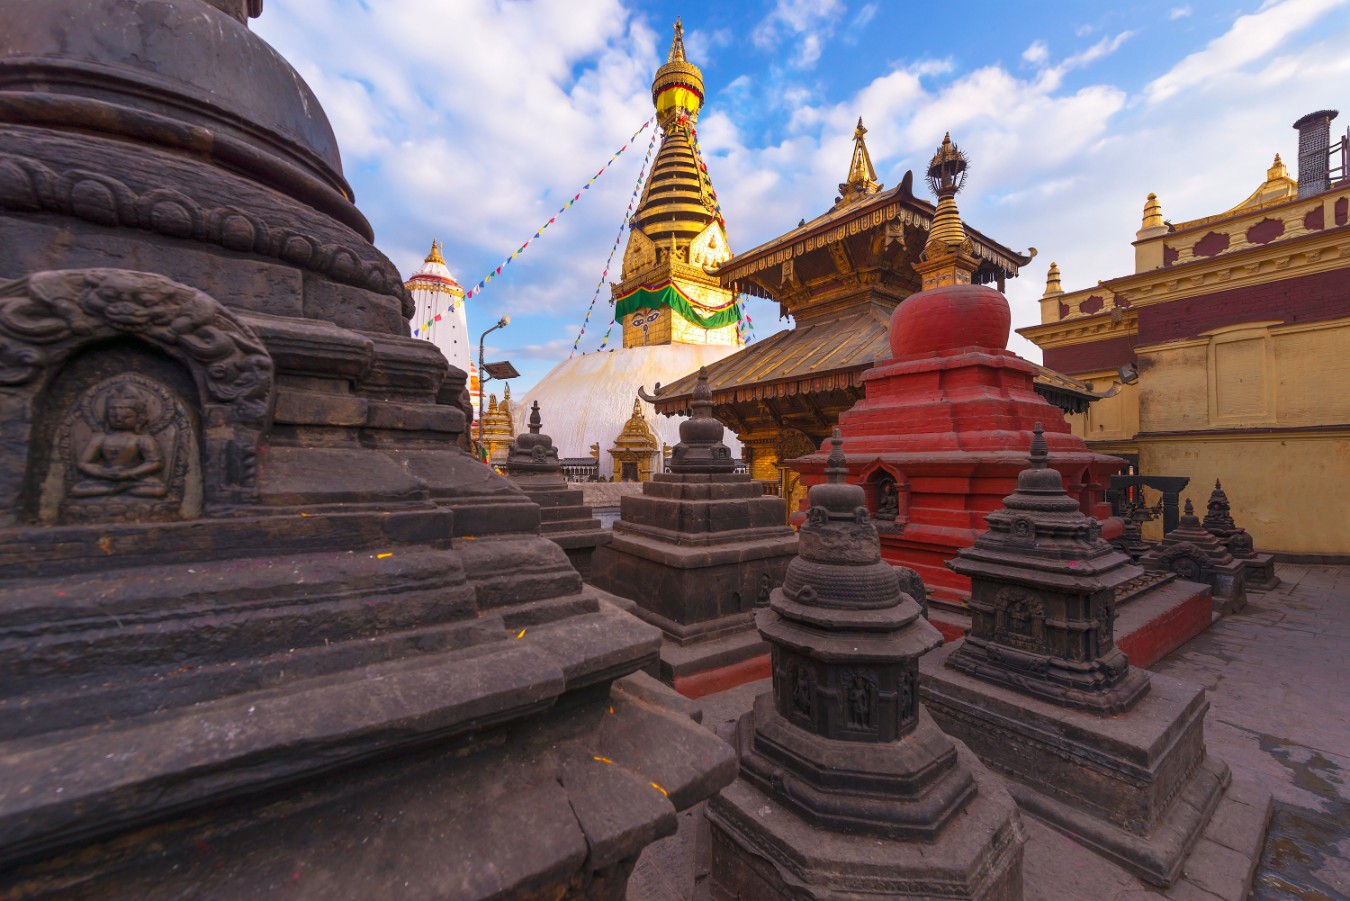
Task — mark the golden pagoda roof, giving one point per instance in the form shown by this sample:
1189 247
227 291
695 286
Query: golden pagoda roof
898 203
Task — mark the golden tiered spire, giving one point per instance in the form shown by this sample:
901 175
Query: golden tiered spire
1052 286
862 176
677 44
435 255
948 256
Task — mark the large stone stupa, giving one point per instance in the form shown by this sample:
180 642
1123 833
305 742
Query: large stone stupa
675 317
265 627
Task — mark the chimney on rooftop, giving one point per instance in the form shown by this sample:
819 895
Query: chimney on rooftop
1314 152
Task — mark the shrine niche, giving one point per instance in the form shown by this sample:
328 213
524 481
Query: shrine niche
886 495
126 451
143 398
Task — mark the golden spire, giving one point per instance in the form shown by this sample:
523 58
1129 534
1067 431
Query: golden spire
1277 169
677 44
1152 213
1052 287
677 90
435 255
862 176
948 256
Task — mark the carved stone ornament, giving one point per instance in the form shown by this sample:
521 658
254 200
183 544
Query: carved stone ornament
49 319
127 452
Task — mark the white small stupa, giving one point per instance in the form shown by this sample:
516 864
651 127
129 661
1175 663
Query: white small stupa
440 315
674 315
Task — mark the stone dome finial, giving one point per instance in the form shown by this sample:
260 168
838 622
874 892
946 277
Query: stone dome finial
535 422
701 448
1039 451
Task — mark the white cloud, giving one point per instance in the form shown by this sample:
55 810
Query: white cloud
1251 38
1179 12
1037 53
803 23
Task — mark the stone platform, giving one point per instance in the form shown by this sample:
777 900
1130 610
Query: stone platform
1278 715
1148 627
1138 787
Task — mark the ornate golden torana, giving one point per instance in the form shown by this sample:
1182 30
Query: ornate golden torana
498 428
634 449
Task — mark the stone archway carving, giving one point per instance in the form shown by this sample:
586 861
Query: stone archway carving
49 318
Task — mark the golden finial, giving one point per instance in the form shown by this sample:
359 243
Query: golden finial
677 43
1153 213
1052 287
1277 169
637 404
435 255
948 255
946 176
862 176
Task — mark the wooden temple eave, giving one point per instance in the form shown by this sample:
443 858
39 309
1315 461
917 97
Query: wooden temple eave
822 354
751 271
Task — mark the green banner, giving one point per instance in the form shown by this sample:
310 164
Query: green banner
670 296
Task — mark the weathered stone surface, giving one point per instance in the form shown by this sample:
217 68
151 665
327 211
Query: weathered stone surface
847 787
762 850
1043 594
698 550
264 625
1193 553
1104 752
532 463
1259 569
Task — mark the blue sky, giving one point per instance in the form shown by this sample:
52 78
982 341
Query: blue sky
473 121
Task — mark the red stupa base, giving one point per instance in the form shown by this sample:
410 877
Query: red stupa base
950 423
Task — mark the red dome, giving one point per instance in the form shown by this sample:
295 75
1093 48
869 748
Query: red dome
945 319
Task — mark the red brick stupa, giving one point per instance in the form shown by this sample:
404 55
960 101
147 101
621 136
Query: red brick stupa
939 439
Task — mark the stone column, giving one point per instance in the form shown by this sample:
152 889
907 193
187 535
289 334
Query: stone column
848 788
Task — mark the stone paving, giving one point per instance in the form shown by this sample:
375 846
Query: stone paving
1279 716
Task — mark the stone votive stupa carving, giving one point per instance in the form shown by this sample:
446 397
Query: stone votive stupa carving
1259 568
1109 754
1195 554
263 621
696 551
532 463
848 788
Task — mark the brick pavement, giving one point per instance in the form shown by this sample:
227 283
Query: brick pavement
1279 715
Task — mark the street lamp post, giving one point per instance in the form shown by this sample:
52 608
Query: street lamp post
483 376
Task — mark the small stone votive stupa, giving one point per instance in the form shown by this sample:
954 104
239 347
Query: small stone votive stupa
532 463
697 551
1193 553
1259 568
1109 754
848 788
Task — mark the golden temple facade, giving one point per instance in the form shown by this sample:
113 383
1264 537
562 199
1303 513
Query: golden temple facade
664 295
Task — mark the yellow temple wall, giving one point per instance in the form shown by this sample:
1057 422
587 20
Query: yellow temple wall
1109 424
1305 515
1264 408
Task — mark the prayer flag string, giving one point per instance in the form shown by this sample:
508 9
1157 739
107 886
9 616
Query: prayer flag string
483 283
628 214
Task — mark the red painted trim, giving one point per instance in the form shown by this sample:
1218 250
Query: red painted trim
1157 638
714 680
1307 298
1092 356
